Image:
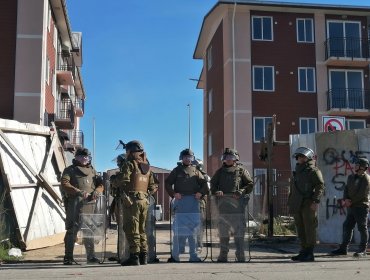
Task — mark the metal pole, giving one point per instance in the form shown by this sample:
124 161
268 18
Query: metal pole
94 142
189 125
270 139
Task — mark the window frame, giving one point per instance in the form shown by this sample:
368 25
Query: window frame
262 27
210 150
307 119
210 100
314 79
254 67
305 31
353 120
264 128
263 171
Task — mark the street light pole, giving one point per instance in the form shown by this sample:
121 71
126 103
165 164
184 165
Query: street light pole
189 110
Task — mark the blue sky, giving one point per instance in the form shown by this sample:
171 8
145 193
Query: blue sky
137 62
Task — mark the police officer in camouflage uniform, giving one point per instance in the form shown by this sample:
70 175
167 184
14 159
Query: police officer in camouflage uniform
306 189
234 180
356 199
136 182
79 186
184 181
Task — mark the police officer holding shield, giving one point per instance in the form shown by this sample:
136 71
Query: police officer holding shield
233 181
187 185
306 189
79 186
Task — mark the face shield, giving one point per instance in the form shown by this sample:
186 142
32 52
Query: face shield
228 157
83 160
187 159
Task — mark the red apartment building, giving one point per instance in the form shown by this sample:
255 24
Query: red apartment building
40 77
298 61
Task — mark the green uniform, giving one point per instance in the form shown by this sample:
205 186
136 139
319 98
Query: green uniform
307 187
136 180
76 180
231 180
357 190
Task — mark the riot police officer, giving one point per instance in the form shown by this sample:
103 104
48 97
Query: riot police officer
232 179
187 185
306 189
356 199
136 182
79 185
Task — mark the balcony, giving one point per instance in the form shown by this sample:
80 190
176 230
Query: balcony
66 74
347 51
65 115
79 107
77 138
349 102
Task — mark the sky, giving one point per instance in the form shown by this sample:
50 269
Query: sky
137 70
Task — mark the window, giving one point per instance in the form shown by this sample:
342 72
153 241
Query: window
260 126
210 100
304 30
47 70
306 79
262 28
260 181
209 58
356 124
307 125
210 144
263 78
344 38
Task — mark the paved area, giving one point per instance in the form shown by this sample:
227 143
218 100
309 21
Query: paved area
269 248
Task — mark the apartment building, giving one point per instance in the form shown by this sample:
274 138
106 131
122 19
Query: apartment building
40 62
297 61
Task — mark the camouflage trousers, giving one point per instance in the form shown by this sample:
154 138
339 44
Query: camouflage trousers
134 221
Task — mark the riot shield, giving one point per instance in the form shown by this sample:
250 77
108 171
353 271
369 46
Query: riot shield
185 230
229 229
90 243
150 231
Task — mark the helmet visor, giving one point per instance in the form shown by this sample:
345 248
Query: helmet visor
229 157
83 160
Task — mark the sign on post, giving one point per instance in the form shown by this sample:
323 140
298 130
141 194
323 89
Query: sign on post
333 123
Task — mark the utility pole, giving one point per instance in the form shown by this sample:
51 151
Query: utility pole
266 155
189 114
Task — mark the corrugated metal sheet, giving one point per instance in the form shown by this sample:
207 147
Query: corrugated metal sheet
31 161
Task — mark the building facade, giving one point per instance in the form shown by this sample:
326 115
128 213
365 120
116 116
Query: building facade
300 62
40 76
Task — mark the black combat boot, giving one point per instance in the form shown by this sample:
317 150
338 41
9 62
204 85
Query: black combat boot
297 257
341 251
143 258
307 256
132 260
67 260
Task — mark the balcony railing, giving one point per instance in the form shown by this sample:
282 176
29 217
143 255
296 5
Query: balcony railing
65 115
79 106
77 138
347 47
348 99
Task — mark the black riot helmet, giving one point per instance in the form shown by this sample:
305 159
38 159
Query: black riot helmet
134 146
230 152
82 152
363 162
186 152
120 160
